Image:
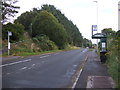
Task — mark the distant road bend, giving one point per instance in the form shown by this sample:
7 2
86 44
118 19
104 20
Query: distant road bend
55 70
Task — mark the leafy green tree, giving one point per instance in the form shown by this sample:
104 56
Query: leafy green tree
73 33
8 9
16 29
87 43
73 37
108 31
46 23
26 19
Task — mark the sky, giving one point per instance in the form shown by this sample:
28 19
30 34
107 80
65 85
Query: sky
83 13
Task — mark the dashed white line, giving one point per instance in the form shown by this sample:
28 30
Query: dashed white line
33 65
30 68
15 63
44 56
23 68
8 73
56 53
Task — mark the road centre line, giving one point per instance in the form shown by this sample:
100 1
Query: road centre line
23 68
33 65
44 56
56 53
15 63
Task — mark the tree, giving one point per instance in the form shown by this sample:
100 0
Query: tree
73 33
8 9
16 29
45 23
87 43
108 31
26 19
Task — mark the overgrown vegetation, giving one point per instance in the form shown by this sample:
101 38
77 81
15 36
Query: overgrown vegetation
16 29
113 56
51 22
45 23
44 43
40 30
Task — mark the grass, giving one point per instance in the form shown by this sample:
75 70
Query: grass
27 52
44 52
113 60
112 64
90 49
37 53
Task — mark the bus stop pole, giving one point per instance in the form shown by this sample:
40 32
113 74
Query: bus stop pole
8 43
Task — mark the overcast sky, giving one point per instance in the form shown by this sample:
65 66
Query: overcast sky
83 13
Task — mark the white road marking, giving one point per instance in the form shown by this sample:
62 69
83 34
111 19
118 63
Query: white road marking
30 68
56 53
79 74
77 79
33 65
44 56
75 65
15 63
23 68
8 73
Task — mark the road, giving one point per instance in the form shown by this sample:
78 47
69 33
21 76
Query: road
55 70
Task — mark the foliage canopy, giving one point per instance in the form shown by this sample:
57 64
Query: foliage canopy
46 23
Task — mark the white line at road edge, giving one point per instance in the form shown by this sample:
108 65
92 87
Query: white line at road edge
15 62
77 79
79 75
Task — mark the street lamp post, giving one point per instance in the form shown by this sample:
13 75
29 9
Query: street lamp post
97 19
96 13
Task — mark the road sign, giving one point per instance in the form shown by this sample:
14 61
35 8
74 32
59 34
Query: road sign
94 27
9 33
98 36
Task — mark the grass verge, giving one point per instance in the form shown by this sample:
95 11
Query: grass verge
26 52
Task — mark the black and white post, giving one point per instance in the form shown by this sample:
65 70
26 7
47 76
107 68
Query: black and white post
9 34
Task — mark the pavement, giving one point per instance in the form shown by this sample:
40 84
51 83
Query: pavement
95 75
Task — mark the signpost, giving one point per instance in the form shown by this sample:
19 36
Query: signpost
98 36
94 29
9 34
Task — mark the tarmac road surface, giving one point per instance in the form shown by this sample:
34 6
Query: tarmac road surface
55 70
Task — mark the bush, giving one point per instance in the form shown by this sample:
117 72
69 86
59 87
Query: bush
113 57
44 43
